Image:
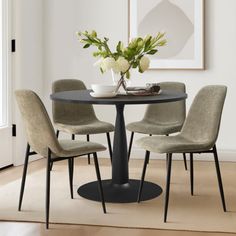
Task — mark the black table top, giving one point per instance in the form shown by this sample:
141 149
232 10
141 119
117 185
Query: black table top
83 96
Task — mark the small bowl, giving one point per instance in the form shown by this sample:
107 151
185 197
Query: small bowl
102 88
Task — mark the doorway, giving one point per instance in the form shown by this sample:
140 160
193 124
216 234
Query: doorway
5 86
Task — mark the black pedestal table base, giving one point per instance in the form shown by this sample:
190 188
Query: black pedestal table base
125 193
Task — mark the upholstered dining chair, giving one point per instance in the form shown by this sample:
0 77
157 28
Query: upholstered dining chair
43 141
198 135
161 119
77 119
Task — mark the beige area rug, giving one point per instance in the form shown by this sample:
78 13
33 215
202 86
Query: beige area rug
202 212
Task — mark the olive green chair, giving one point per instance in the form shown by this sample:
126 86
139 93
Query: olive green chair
161 119
77 119
198 135
43 141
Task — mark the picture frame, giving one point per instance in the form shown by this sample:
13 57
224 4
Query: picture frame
183 24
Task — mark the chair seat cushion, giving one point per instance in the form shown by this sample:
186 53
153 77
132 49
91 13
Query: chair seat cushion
145 127
89 127
70 148
172 144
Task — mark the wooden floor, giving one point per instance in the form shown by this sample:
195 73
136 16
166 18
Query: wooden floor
38 229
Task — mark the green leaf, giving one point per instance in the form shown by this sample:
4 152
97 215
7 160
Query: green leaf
162 43
131 53
118 47
147 37
94 34
135 64
86 45
147 44
90 38
101 70
85 41
140 70
96 54
116 55
160 35
152 52
79 33
127 75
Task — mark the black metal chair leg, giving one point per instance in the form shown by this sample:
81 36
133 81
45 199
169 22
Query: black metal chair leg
88 154
51 165
147 155
57 134
185 161
219 177
167 155
130 144
99 181
109 145
72 165
168 177
71 173
167 160
191 173
48 188
24 176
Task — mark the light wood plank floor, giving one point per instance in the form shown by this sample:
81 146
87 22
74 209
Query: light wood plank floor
38 229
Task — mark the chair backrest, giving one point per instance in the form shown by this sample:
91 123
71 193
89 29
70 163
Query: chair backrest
203 120
172 112
70 113
39 130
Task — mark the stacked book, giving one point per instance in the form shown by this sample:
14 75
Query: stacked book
149 89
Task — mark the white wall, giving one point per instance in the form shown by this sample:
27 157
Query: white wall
63 56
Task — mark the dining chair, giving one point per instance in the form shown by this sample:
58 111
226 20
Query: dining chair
161 119
77 119
198 135
43 141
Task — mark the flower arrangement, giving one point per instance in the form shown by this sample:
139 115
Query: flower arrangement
123 58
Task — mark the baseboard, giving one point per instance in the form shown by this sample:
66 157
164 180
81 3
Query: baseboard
138 153
223 155
31 158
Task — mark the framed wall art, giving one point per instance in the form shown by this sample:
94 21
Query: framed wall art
183 23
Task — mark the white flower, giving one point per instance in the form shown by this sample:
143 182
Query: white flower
144 63
106 63
98 62
116 68
122 64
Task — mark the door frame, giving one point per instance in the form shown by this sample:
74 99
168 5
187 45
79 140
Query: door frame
6 128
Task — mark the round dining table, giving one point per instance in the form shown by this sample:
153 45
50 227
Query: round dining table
120 188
